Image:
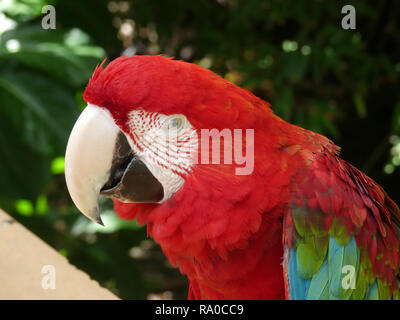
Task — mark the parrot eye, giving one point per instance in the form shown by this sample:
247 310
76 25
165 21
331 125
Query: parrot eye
175 123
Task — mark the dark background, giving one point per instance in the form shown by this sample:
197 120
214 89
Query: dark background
294 54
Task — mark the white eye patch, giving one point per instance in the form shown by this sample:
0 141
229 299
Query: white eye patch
165 143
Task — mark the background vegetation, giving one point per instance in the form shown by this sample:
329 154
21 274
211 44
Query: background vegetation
293 53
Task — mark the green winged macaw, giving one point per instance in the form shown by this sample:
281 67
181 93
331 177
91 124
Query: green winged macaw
303 224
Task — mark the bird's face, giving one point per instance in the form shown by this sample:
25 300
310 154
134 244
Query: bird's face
137 140
146 161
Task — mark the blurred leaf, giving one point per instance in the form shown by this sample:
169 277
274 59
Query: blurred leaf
63 252
360 104
58 165
111 222
294 66
24 207
22 9
53 112
39 75
66 56
23 171
42 205
283 105
396 118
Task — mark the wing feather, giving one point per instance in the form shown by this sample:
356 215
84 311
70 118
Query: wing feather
338 217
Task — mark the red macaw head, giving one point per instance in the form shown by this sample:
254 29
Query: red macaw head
137 138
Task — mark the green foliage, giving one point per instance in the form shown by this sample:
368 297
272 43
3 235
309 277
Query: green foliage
39 75
294 54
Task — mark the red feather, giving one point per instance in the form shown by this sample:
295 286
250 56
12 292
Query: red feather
225 231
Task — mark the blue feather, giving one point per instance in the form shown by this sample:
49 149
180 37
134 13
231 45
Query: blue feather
335 261
297 285
338 257
373 292
319 286
326 283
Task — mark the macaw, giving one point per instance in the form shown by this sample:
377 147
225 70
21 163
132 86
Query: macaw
304 224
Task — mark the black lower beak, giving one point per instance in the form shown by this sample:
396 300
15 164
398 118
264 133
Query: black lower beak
130 179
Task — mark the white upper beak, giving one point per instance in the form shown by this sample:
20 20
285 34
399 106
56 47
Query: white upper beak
88 158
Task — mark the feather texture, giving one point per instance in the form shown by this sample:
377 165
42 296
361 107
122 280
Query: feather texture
224 231
353 211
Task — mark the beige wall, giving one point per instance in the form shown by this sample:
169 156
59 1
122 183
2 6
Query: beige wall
22 258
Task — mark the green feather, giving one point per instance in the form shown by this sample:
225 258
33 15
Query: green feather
317 225
311 253
367 266
309 223
299 219
396 293
384 290
339 231
361 284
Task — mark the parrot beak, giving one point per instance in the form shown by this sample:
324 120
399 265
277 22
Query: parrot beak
99 160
